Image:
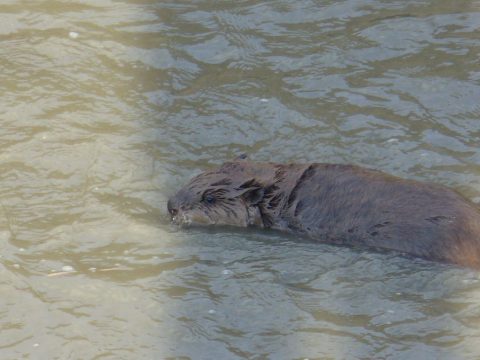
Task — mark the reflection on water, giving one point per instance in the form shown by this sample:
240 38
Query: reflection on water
107 107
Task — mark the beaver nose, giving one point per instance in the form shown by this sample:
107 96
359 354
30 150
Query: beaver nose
171 208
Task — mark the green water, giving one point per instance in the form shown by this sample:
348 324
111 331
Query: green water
107 108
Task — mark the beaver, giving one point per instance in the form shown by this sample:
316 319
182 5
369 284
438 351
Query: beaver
336 204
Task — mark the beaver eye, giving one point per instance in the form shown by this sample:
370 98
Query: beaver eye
209 199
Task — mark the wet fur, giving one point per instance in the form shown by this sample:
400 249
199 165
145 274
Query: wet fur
338 204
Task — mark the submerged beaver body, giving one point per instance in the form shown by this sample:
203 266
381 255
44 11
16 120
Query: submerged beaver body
338 204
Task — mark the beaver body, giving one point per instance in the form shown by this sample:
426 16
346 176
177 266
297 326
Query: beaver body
337 204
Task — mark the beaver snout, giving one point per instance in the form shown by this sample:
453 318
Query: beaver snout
179 213
172 208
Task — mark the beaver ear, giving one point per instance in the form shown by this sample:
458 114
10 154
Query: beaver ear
241 157
254 195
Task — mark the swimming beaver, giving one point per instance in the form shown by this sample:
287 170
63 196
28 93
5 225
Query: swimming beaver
337 204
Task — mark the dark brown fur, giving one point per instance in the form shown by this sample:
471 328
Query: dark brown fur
338 204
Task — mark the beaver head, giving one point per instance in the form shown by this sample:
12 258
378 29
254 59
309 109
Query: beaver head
228 195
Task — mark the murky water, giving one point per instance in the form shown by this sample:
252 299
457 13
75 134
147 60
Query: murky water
106 108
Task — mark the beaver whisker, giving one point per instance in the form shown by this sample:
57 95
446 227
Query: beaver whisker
183 220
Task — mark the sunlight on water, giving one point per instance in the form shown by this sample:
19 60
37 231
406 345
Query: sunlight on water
109 107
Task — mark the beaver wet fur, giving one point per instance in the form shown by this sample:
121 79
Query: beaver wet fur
336 204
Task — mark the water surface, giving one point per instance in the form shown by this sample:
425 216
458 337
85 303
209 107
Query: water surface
108 107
